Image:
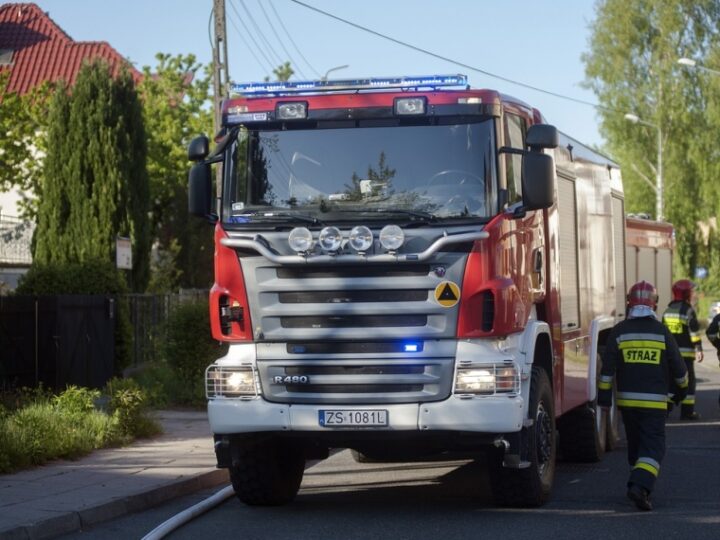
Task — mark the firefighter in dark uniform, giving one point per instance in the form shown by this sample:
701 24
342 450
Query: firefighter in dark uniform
681 320
713 334
642 358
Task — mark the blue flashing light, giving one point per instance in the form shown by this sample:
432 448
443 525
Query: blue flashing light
299 87
411 347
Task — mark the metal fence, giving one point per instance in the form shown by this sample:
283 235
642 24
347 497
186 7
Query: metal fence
15 240
148 315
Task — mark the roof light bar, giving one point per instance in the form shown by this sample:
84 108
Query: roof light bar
299 87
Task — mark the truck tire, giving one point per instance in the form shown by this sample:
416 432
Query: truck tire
530 486
267 473
583 434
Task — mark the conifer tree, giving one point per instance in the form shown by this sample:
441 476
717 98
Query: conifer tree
95 185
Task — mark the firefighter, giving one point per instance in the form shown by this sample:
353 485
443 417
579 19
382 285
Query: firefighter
713 334
681 320
641 354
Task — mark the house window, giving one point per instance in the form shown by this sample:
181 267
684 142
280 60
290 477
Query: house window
6 56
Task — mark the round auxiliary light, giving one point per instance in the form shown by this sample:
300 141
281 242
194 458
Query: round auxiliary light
300 240
330 239
361 238
392 237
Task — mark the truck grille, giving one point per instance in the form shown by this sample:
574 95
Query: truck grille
343 330
368 380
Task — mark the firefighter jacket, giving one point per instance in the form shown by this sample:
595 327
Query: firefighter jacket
643 359
680 319
713 332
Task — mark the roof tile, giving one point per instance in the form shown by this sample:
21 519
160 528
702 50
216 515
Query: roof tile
42 51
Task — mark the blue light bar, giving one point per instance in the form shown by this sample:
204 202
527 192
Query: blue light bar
299 87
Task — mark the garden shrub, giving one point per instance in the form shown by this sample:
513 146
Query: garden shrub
189 347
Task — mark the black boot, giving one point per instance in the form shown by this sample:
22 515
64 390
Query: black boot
640 496
690 416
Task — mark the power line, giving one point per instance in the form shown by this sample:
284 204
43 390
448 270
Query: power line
272 27
293 41
252 38
277 57
450 60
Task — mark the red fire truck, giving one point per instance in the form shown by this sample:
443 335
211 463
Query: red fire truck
406 267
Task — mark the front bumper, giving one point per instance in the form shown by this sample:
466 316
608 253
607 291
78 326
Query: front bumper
496 414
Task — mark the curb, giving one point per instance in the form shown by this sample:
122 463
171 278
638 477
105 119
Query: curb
78 520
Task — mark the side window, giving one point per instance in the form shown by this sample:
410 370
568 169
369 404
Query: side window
514 138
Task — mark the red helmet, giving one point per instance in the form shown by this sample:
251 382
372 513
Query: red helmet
643 293
682 289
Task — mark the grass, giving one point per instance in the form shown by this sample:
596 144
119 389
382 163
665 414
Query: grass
67 426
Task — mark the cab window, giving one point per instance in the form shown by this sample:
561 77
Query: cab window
514 138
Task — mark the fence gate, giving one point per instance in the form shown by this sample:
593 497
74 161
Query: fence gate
57 340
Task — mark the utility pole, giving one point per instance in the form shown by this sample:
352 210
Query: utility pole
220 73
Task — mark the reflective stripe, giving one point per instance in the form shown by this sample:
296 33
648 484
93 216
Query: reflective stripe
641 337
642 404
682 382
641 344
690 400
694 337
605 385
648 464
641 396
674 317
713 335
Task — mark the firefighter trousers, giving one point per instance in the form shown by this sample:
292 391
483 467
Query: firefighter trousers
687 407
645 433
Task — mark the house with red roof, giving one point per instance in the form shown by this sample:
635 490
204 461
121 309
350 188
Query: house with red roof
34 49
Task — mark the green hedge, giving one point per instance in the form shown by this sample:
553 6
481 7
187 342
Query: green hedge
189 348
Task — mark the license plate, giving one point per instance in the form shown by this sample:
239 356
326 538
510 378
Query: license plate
354 418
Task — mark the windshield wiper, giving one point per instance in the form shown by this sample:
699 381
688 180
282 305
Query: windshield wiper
425 216
273 215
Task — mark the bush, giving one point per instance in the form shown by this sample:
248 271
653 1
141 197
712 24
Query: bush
189 347
68 426
76 401
128 406
89 277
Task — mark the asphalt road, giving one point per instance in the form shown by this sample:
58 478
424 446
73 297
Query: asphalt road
437 500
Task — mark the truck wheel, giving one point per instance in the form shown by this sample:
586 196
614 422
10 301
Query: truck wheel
583 434
531 486
267 473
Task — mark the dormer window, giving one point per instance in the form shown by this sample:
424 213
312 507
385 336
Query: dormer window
6 57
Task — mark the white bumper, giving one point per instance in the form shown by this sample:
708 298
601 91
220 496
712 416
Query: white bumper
480 415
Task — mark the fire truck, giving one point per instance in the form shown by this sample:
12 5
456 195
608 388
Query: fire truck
406 267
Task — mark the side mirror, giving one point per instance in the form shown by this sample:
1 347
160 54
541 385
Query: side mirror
199 148
199 190
541 136
537 180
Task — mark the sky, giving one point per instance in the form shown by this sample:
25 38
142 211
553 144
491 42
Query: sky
535 42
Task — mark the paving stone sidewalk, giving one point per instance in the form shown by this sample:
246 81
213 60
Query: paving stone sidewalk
67 496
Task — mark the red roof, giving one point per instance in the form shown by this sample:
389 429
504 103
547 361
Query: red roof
42 51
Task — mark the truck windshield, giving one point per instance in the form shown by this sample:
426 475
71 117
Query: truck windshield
440 171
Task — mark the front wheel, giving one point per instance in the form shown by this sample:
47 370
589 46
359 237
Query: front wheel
531 486
267 473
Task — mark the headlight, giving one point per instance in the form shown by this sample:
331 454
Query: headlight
392 237
330 239
493 379
296 110
410 106
230 382
361 238
300 240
